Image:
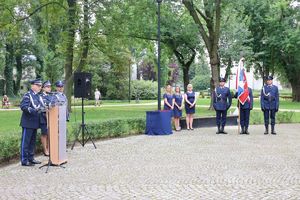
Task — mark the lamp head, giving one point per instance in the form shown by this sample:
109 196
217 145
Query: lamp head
159 1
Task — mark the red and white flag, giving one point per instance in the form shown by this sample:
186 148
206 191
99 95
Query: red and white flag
241 83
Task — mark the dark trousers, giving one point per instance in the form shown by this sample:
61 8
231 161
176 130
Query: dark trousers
244 117
28 144
221 117
269 114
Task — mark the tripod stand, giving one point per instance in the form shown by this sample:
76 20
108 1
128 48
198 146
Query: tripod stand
83 129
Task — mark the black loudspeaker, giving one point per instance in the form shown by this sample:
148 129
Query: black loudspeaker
82 85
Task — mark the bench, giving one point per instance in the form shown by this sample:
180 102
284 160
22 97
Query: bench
5 102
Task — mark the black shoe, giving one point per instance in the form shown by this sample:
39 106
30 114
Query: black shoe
273 131
222 130
35 162
28 164
246 131
46 154
243 131
218 131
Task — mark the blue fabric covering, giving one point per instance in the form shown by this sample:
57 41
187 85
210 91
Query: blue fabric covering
158 122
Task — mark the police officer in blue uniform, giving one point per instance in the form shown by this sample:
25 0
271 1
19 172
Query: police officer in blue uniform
61 98
48 101
31 105
221 103
269 100
245 112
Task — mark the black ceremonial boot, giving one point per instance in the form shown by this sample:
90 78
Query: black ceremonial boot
246 131
222 130
272 130
218 131
243 130
266 130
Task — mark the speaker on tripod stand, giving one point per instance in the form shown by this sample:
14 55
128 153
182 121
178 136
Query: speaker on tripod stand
82 89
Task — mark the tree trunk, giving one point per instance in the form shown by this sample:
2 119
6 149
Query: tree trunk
70 50
209 30
214 81
8 70
85 37
296 90
19 73
186 78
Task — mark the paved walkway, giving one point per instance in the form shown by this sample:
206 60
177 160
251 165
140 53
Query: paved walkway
187 165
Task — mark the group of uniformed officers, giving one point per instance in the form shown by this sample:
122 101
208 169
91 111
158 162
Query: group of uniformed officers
34 105
269 100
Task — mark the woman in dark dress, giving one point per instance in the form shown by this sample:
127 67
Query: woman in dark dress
168 99
190 104
178 106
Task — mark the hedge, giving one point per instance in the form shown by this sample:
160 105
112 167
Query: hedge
10 145
112 128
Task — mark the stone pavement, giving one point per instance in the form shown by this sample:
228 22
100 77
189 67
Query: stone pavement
186 165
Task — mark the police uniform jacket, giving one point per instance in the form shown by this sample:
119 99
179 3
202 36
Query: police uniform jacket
30 104
269 98
222 98
48 100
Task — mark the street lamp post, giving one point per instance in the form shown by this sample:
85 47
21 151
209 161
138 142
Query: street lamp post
158 55
129 79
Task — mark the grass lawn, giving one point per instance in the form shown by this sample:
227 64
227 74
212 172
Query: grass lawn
10 120
284 104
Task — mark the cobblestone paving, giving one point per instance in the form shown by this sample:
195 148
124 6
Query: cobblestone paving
186 165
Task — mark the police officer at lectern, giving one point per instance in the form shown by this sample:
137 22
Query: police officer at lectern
32 106
60 97
221 101
269 100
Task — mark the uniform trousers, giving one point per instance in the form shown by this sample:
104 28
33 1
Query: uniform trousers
28 144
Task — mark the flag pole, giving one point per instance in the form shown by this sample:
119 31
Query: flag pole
239 117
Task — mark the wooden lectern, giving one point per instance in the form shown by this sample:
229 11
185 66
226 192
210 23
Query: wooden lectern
57 134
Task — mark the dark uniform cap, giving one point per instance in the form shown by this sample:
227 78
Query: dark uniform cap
36 82
59 84
46 83
269 78
222 79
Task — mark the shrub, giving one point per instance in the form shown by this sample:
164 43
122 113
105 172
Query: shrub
141 89
284 117
256 118
9 147
201 82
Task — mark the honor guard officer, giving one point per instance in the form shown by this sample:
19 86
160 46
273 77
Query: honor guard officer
48 101
221 102
61 98
31 105
269 100
245 111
